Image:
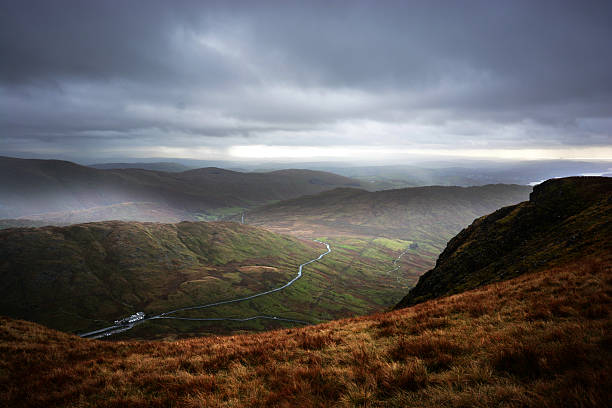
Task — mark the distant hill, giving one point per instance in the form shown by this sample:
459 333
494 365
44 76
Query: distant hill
564 219
144 212
24 222
470 173
37 187
406 213
413 224
168 167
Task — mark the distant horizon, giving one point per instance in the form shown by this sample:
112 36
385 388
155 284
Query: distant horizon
419 162
316 81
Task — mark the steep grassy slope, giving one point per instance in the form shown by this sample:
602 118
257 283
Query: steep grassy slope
84 276
30 187
539 340
564 219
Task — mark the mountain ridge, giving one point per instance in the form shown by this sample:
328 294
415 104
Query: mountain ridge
398 213
562 216
32 186
170 167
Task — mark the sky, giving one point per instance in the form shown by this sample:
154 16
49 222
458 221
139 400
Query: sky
389 81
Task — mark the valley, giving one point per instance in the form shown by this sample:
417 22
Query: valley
139 317
370 229
83 277
305 204
514 311
538 339
95 273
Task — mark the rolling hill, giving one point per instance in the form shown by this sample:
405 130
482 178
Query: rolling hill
83 277
168 167
563 219
405 213
541 339
413 224
36 187
126 211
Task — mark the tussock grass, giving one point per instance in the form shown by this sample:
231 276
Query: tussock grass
539 340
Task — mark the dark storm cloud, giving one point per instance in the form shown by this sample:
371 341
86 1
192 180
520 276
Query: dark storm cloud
58 40
490 74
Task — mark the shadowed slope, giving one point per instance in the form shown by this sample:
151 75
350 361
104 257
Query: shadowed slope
169 167
32 187
564 219
84 276
408 213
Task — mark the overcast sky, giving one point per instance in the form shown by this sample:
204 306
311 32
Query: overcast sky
329 80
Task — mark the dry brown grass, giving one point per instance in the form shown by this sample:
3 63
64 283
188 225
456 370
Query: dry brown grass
540 340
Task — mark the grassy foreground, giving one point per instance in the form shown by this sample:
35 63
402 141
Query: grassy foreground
540 340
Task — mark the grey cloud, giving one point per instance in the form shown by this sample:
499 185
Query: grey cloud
95 72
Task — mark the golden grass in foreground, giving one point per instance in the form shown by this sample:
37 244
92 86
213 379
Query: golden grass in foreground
541 340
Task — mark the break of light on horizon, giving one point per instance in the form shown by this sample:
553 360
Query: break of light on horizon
362 154
291 80
374 153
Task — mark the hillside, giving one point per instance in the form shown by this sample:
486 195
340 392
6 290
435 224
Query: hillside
563 219
83 277
404 213
411 225
127 211
168 167
38 187
539 340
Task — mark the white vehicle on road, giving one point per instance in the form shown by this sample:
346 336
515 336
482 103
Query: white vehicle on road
133 318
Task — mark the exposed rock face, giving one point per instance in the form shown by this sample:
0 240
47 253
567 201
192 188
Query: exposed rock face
564 219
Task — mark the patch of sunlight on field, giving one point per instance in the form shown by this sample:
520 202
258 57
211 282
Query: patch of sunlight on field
394 244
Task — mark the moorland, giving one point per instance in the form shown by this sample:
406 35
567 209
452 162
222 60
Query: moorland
539 337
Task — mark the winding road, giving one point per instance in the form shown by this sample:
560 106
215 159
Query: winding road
396 266
107 331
